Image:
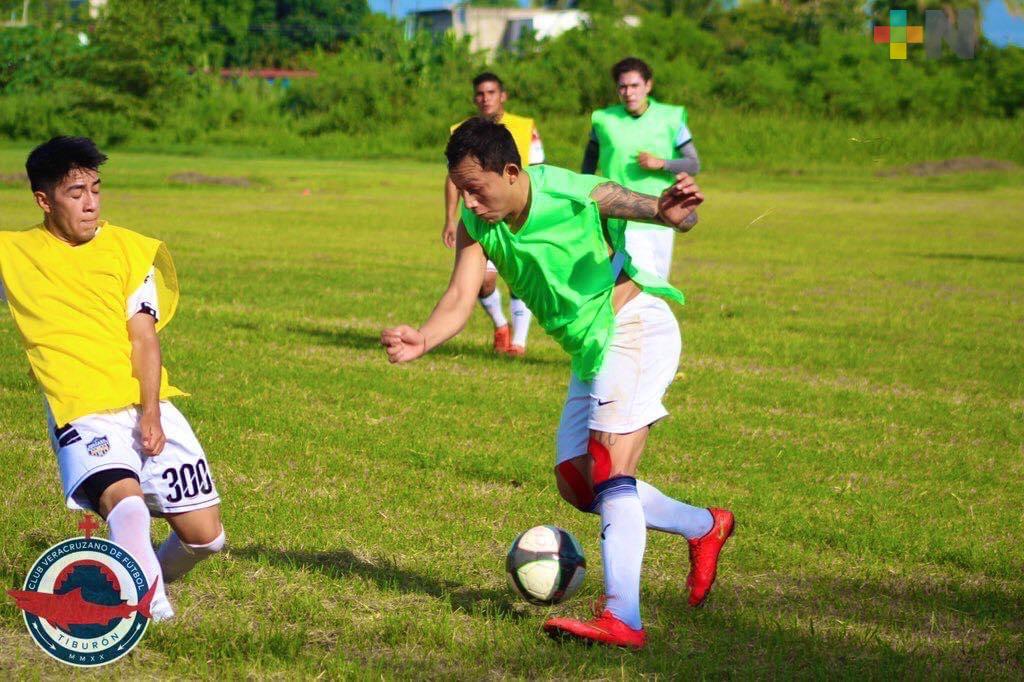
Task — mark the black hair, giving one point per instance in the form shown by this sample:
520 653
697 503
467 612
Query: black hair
50 162
490 143
488 77
631 64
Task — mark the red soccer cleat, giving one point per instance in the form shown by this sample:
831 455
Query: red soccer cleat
605 629
515 351
704 555
502 338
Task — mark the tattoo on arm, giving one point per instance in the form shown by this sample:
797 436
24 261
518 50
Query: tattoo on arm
616 201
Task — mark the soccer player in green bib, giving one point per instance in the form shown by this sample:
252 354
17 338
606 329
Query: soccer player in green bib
641 144
557 238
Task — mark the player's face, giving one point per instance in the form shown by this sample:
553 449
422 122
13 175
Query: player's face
73 207
633 91
488 194
490 100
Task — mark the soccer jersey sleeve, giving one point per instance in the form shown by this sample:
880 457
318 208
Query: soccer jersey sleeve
536 148
145 299
683 135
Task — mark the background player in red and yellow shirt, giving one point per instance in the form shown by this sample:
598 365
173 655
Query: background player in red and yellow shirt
490 96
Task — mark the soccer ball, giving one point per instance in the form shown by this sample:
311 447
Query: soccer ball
545 565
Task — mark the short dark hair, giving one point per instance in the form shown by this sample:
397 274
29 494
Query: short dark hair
50 162
487 77
490 143
631 64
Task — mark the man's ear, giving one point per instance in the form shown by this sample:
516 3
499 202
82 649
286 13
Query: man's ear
43 201
512 172
650 85
504 97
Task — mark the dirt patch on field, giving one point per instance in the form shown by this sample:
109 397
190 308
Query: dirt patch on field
13 179
201 179
964 164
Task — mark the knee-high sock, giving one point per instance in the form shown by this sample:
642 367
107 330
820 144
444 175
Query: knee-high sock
178 558
521 317
623 540
492 304
672 516
129 522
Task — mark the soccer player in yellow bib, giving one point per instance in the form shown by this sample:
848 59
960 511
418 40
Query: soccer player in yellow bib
641 144
490 96
88 298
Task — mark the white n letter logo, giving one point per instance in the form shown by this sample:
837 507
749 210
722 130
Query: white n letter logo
964 41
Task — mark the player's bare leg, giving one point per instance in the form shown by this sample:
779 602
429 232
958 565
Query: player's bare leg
126 513
490 300
195 535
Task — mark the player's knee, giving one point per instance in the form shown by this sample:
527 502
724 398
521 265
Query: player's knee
488 286
601 466
574 487
213 546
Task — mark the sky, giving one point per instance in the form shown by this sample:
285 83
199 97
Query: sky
1001 27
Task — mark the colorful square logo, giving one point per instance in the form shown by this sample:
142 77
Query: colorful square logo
898 35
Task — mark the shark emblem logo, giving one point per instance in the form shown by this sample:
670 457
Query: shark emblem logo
86 600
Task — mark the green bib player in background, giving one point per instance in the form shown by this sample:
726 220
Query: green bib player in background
641 144
557 238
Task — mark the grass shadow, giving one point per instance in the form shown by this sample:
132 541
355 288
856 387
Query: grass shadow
361 339
339 564
987 258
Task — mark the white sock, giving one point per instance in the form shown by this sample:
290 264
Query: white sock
623 540
672 516
129 527
492 304
521 317
178 558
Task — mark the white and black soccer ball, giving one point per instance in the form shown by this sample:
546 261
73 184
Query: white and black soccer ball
545 565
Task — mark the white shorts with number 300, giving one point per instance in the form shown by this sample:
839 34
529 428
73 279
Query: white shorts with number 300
177 480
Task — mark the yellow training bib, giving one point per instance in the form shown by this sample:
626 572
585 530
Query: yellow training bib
68 302
522 132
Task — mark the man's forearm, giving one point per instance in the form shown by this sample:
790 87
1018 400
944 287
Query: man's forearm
590 157
617 201
146 364
448 318
451 201
689 163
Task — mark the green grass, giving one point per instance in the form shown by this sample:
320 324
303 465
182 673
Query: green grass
852 386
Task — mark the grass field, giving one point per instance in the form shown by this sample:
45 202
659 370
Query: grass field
852 386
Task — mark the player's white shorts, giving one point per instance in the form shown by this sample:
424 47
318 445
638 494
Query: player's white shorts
650 249
491 267
177 480
626 394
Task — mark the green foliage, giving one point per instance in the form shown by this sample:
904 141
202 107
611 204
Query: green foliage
142 79
276 32
30 57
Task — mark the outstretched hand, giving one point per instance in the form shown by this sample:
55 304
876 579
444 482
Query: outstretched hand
677 205
403 343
